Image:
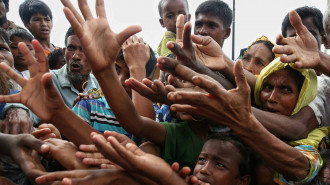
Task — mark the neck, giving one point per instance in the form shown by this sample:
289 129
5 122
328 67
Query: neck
45 43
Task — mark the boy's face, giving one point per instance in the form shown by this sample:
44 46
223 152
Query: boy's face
40 26
3 10
171 10
5 54
309 23
60 62
123 74
210 25
19 60
218 163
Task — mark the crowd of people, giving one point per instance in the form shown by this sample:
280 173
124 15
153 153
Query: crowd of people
108 109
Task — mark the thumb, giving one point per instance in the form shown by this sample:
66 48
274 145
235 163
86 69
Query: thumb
240 76
126 33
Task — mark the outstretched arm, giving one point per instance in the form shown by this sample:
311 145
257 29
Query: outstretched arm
233 108
303 49
101 46
137 54
40 95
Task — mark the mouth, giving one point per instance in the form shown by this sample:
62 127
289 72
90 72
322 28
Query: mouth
44 30
74 66
203 181
272 110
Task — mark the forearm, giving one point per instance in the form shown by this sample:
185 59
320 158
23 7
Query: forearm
143 105
278 155
201 68
228 72
73 127
124 109
324 65
288 128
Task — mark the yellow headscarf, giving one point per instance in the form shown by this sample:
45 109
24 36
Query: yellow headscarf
308 90
264 38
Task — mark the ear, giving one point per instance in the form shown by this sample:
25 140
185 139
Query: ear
64 49
189 16
161 21
227 33
27 25
245 180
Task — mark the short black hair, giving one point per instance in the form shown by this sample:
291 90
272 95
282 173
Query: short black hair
218 9
53 57
150 64
21 33
162 3
244 166
31 7
68 34
4 36
305 12
6 2
269 45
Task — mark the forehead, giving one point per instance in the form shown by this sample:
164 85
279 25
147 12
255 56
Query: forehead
209 18
172 5
73 40
17 39
222 150
309 23
283 76
39 15
260 50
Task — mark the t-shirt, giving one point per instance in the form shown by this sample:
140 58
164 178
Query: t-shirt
182 145
98 114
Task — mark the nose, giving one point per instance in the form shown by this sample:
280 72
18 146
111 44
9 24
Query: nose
77 54
205 170
203 31
273 96
249 67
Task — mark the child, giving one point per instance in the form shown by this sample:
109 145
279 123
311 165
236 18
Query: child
168 12
15 36
56 59
37 18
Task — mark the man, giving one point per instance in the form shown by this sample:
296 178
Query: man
4 22
75 77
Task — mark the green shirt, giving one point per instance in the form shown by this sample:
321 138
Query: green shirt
182 145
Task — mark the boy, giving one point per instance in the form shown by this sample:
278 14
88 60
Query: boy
168 12
56 59
15 36
37 18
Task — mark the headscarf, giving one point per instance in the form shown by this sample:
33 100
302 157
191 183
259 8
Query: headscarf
308 90
264 38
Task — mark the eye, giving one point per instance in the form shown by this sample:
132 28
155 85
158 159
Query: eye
198 24
286 90
259 63
247 58
201 160
267 87
71 48
169 16
220 165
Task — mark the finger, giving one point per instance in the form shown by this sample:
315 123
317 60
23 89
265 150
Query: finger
297 23
35 144
100 9
298 64
288 58
67 181
184 172
84 9
187 43
119 137
169 88
75 23
286 49
12 74
15 98
179 28
192 98
280 40
74 12
139 87
186 109
147 49
240 78
41 56
89 155
126 33
159 87
175 167
88 148
210 86
6 127
95 162
14 127
42 132
135 39
29 59
27 127
175 82
201 40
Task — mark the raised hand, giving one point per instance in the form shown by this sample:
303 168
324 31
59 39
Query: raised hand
101 45
38 88
302 50
155 91
224 107
136 53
